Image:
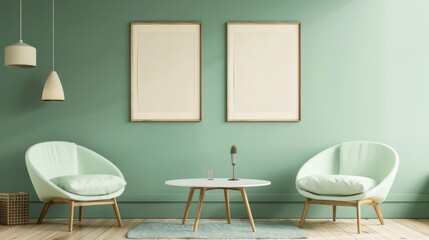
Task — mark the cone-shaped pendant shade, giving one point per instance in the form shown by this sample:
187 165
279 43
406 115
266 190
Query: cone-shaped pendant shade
53 90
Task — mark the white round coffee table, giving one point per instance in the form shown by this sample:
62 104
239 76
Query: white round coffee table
218 183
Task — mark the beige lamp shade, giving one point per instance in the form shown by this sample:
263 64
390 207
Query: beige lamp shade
20 55
53 90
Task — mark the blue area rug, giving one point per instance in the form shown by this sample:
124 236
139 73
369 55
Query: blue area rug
217 229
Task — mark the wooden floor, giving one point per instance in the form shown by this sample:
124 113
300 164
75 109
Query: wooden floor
317 228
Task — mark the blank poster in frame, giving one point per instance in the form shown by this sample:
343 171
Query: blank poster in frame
263 79
165 71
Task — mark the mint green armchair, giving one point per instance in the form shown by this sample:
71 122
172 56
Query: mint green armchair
49 161
369 165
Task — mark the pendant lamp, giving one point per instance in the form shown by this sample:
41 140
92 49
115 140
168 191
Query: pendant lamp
20 54
53 90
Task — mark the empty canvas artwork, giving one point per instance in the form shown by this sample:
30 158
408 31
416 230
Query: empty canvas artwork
263 71
165 72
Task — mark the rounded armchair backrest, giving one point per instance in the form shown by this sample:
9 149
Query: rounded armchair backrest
48 160
53 159
368 159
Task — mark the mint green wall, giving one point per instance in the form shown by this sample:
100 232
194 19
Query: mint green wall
365 76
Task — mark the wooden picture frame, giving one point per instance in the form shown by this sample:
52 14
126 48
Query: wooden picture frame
263 78
165 71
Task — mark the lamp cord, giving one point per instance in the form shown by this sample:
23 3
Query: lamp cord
20 20
53 35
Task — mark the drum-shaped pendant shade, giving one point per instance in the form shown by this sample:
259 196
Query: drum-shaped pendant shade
20 55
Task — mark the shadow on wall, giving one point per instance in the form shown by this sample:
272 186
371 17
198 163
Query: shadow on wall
20 180
21 112
30 96
425 192
424 195
282 195
22 108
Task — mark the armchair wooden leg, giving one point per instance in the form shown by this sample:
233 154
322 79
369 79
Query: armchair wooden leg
334 204
378 211
44 211
358 203
304 212
334 213
71 216
80 213
118 215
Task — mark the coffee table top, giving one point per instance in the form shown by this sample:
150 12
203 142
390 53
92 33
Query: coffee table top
217 182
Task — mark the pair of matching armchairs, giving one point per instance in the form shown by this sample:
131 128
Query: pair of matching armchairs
64 172
347 174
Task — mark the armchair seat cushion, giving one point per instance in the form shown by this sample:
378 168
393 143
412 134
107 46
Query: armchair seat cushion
90 185
336 185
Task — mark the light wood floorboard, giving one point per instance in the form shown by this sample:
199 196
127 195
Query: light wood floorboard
318 229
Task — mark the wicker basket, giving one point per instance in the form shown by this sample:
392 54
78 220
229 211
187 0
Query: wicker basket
14 208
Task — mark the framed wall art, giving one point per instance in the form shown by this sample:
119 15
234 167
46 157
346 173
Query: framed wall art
263 79
166 71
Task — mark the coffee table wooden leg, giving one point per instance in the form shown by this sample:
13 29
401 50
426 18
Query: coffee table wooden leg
200 205
246 204
188 204
228 212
